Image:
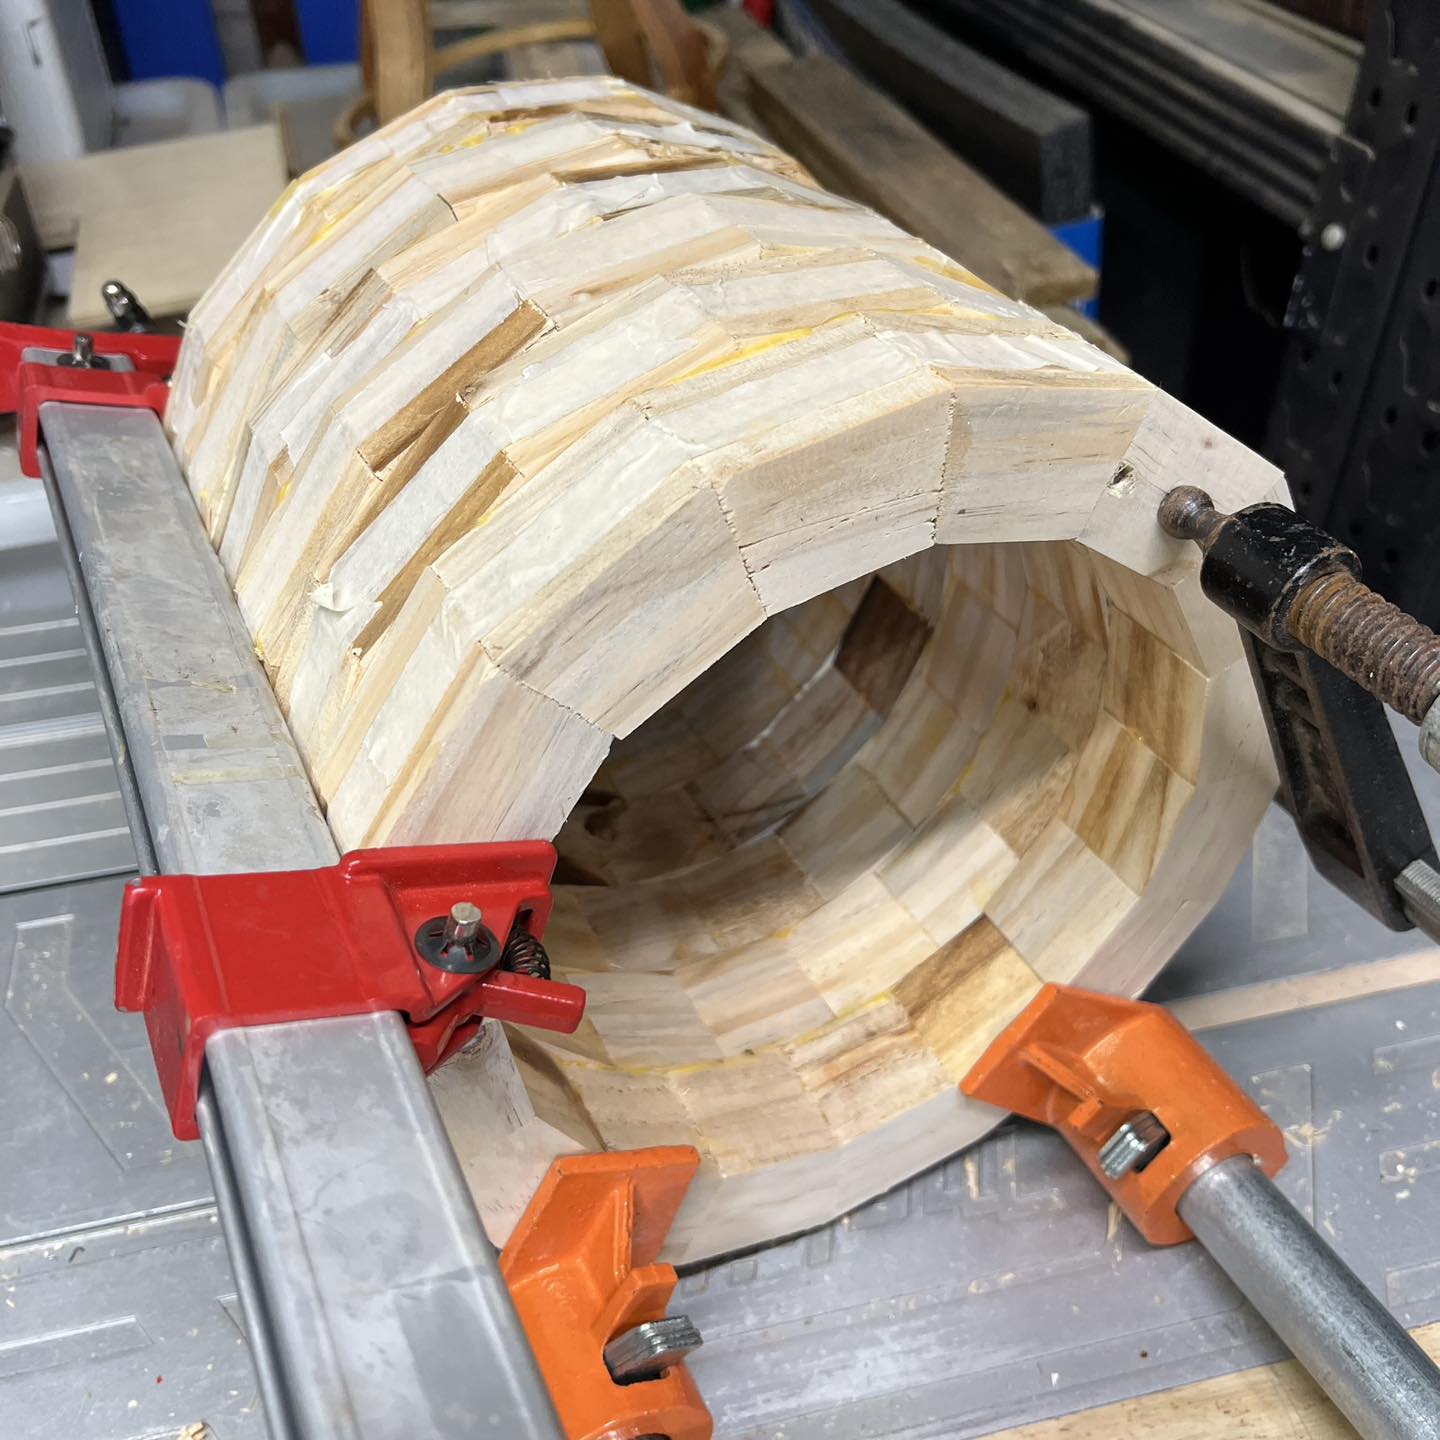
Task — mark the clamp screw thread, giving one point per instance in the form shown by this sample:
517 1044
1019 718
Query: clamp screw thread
1339 618
1380 647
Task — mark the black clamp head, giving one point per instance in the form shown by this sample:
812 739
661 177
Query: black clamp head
1257 561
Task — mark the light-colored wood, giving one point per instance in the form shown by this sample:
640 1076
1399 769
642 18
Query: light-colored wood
496 42
584 470
396 52
677 46
1305 992
165 179
1088 329
751 48
168 243
635 36
1269 1402
860 143
621 39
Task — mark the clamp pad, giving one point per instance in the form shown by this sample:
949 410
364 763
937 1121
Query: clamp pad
199 953
1087 1063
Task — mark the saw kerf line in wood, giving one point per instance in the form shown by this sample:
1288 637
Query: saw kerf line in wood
584 470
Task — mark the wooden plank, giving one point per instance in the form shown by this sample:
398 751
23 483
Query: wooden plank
860 143
169 235
1305 992
751 48
150 175
621 40
398 41
1034 145
1269 1402
1088 329
1192 84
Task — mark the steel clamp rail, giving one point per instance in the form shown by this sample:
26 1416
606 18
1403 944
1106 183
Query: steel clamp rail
374 1304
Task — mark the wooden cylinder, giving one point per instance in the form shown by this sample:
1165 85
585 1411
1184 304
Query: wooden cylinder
583 470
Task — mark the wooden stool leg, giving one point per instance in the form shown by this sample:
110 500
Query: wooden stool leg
399 46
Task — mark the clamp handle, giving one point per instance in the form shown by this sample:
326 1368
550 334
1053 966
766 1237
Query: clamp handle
1135 1094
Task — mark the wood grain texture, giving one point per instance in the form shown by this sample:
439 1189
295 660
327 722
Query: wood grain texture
169 234
396 54
157 178
584 470
858 141
1029 141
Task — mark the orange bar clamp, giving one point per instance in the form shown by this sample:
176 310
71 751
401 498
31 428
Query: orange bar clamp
581 1267
1088 1064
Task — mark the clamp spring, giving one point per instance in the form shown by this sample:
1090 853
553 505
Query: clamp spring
524 954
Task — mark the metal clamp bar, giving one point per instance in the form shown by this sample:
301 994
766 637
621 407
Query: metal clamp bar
374 1301
1364 1360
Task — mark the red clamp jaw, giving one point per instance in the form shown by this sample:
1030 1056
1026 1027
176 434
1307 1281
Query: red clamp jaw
200 953
126 370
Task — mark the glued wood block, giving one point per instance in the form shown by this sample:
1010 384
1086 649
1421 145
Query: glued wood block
584 471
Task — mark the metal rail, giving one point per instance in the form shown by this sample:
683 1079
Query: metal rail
1363 1359
374 1304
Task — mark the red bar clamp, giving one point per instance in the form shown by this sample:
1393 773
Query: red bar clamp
420 930
1139 1099
87 377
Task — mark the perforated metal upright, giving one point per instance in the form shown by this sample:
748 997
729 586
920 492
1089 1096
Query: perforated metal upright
1355 423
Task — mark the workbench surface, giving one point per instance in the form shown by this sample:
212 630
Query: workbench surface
995 1290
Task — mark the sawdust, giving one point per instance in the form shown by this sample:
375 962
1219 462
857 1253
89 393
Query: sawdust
1309 1135
972 1177
1112 1221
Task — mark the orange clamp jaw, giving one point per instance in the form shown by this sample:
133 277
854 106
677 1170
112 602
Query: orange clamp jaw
581 1268
1086 1063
